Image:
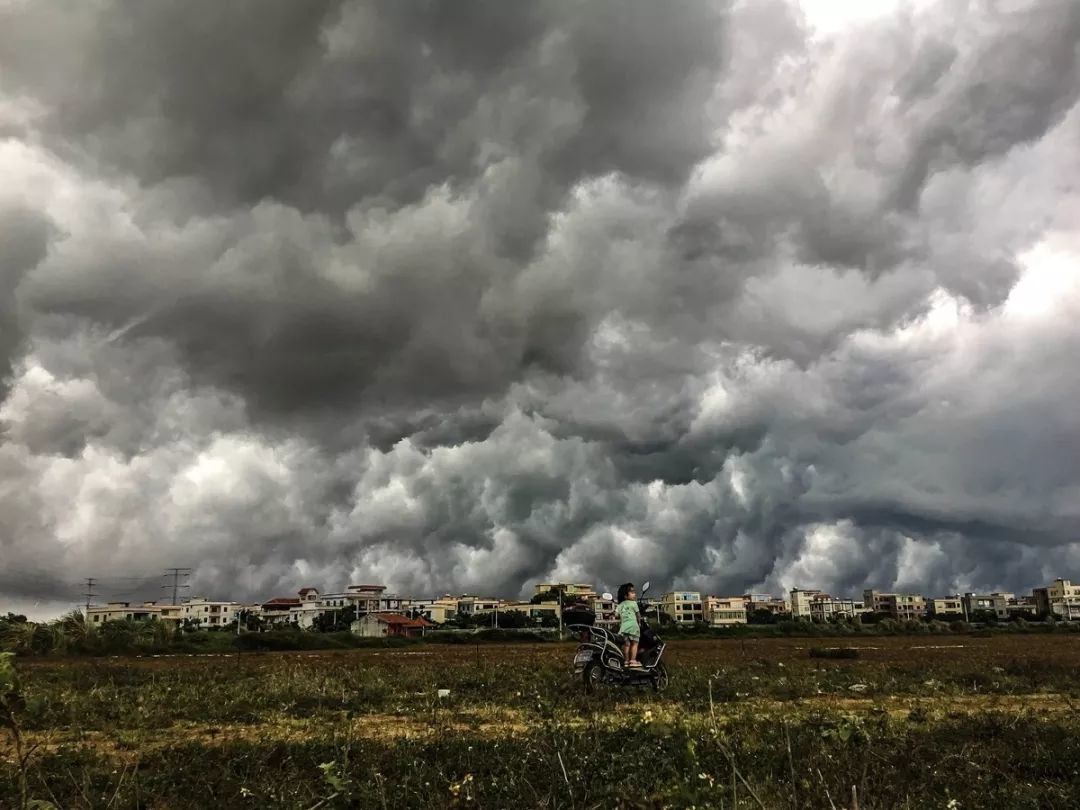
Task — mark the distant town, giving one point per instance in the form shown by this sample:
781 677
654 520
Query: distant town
370 610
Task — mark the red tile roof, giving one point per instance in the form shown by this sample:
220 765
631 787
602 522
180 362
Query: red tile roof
404 621
282 602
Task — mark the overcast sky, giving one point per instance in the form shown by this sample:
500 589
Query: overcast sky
463 296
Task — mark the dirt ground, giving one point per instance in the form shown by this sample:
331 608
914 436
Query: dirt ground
906 650
698 656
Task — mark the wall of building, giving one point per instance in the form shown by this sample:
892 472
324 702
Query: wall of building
685 607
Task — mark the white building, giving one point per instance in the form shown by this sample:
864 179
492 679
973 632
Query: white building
363 599
1061 599
604 610
776 605
203 613
800 601
437 611
310 608
685 607
722 611
123 611
477 605
207 614
824 608
945 606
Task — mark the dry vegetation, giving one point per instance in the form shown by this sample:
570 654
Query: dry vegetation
910 722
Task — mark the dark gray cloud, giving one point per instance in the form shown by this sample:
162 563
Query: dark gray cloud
467 295
26 235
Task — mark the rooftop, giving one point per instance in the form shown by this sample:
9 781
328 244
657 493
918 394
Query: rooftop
398 619
282 601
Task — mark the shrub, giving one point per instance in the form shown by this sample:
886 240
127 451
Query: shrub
834 652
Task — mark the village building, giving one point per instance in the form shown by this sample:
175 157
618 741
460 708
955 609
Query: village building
685 607
389 625
722 611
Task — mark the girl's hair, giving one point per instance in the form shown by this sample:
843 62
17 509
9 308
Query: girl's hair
624 590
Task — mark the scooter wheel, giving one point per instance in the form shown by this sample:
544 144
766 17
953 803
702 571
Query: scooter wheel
593 677
660 678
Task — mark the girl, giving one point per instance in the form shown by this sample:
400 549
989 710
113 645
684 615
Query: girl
629 625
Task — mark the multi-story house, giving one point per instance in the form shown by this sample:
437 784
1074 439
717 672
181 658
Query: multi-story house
571 591
536 611
278 610
946 607
604 609
723 611
1060 599
996 603
123 611
824 608
310 608
775 605
363 599
900 606
1022 606
477 605
685 607
436 611
800 601
209 614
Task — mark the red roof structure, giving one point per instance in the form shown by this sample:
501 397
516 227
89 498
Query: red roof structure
400 625
399 618
281 603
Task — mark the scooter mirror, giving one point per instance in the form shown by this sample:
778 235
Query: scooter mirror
645 587
607 596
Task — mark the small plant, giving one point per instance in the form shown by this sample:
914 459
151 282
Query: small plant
340 785
11 703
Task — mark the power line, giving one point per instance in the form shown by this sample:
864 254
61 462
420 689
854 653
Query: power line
177 573
142 590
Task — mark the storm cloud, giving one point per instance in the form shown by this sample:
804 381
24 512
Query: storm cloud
463 296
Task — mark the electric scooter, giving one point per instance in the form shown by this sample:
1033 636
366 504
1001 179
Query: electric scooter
599 659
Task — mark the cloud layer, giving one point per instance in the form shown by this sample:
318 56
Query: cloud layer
463 296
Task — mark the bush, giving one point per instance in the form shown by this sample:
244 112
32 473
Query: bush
834 652
286 640
488 636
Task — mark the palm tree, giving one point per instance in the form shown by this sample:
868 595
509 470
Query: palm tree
72 631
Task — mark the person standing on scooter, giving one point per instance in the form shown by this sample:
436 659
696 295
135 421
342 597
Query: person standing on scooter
629 623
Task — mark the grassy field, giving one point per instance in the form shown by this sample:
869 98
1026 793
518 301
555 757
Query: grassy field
910 722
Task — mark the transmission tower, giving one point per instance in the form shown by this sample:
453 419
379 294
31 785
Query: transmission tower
90 582
176 574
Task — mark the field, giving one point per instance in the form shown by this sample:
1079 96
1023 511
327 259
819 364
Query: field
911 722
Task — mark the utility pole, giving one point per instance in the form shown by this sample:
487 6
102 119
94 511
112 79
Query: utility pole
560 613
176 574
90 581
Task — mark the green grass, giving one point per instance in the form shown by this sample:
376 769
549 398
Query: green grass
989 725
